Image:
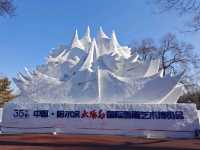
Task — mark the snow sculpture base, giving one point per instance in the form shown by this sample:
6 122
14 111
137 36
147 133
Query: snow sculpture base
144 120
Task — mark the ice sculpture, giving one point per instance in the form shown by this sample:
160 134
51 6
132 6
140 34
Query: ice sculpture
97 71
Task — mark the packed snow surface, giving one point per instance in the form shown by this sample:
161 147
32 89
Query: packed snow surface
97 71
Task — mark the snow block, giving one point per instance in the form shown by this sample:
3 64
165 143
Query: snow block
139 120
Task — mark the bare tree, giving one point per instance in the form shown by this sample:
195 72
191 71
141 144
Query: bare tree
6 7
175 56
183 7
146 48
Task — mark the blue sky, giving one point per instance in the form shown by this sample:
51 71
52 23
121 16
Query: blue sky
38 26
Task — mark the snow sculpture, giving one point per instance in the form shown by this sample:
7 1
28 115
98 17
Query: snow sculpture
97 86
97 71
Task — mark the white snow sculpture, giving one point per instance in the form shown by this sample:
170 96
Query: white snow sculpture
87 71
153 68
86 40
76 43
173 95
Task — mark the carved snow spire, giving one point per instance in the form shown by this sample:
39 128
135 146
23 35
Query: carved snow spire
114 40
114 44
91 58
37 74
76 42
117 48
134 58
101 33
96 50
28 73
65 56
25 76
87 34
102 41
86 39
22 78
60 58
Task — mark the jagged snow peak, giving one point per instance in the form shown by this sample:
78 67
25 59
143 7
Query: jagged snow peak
86 39
76 42
101 34
91 57
98 70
